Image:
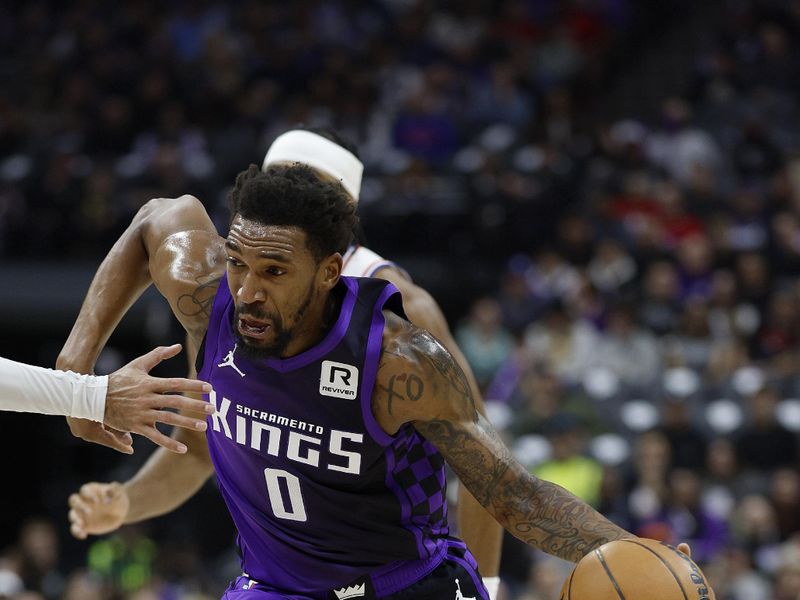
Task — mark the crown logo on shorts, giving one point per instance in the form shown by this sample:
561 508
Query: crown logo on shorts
352 591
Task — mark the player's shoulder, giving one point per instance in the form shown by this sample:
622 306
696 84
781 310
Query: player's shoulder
360 261
415 376
408 346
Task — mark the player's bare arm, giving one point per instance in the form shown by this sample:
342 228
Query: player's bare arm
419 382
133 263
476 526
172 243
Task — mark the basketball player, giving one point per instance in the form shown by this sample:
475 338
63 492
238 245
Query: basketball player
335 159
127 400
332 429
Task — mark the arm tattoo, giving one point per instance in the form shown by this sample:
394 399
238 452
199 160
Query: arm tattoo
413 389
538 512
198 303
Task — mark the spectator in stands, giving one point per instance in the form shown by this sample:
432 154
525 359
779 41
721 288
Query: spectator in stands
695 266
628 350
681 147
723 485
516 302
755 528
484 341
688 445
647 480
691 345
568 466
689 519
563 343
784 493
659 307
39 558
612 268
764 444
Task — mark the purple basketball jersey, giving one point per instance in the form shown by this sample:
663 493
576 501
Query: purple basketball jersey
319 493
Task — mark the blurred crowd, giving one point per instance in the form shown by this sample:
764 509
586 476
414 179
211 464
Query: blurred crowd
107 106
640 342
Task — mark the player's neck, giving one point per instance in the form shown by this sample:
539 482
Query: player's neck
320 317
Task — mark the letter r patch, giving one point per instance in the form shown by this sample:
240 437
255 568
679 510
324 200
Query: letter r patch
338 380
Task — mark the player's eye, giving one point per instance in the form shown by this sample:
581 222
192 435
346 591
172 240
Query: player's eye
234 262
275 271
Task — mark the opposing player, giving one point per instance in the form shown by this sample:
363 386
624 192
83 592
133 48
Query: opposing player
127 400
331 432
332 158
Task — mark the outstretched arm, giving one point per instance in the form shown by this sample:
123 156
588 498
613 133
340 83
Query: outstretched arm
129 399
477 527
540 513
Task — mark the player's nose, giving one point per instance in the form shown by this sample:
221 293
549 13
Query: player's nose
249 291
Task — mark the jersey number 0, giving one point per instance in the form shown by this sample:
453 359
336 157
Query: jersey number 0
296 510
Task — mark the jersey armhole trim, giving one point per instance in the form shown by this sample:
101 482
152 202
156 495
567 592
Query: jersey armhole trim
374 343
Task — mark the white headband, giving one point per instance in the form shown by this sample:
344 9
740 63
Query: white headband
320 153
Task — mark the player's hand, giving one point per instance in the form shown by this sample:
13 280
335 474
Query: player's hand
97 508
92 431
684 547
135 400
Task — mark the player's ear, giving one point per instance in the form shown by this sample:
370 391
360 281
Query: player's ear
330 271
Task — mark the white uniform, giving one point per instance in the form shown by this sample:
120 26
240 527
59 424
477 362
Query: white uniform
360 261
27 388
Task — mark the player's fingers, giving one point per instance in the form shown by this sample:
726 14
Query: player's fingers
122 435
77 504
155 436
90 491
119 441
77 531
178 384
76 518
170 418
183 403
155 356
684 547
100 435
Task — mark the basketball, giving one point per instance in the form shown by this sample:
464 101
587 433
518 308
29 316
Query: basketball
636 569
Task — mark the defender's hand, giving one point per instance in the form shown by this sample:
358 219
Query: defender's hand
135 400
98 508
92 431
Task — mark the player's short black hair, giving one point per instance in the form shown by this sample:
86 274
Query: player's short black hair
294 195
336 138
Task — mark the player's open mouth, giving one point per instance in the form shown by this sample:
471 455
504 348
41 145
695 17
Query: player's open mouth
253 328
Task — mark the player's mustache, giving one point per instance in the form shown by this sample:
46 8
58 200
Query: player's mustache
255 313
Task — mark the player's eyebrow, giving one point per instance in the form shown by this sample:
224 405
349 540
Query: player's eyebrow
268 254
272 255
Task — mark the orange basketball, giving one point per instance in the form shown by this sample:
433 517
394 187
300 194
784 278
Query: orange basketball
636 569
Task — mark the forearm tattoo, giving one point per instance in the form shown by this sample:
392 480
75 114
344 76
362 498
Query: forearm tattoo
538 512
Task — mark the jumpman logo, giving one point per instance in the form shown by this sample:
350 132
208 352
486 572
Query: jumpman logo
459 595
228 361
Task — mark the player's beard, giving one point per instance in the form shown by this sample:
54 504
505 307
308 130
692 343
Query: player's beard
282 336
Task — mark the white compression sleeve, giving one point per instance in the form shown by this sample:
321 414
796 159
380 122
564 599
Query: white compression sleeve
27 388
